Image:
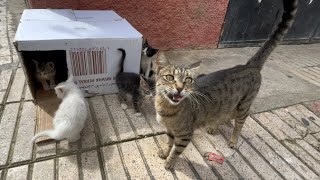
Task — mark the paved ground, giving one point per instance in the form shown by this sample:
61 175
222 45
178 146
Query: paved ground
279 141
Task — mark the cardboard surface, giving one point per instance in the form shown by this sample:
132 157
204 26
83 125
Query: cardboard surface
90 40
83 43
69 15
47 105
96 15
56 30
48 15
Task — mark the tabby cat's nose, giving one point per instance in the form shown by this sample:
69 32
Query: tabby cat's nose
179 89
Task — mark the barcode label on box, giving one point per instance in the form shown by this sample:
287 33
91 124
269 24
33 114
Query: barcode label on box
88 61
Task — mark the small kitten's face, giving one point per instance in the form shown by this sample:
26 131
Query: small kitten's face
44 68
145 88
148 51
64 87
176 83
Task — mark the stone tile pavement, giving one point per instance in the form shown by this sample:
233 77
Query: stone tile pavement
281 141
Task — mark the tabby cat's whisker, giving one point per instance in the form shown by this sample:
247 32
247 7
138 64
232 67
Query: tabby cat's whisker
199 94
194 99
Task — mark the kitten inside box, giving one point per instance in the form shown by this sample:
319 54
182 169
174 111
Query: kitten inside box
45 68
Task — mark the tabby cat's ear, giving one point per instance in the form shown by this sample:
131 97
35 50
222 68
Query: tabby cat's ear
195 66
161 62
51 65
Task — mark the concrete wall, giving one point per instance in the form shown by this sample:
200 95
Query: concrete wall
166 23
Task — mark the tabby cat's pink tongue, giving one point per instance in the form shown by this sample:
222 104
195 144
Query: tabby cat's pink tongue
177 97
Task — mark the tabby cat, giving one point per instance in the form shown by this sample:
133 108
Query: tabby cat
45 71
134 84
184 102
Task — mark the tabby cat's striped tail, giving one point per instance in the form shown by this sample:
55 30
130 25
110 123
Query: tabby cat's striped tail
289 12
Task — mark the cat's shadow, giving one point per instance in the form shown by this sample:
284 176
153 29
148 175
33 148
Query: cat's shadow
192 169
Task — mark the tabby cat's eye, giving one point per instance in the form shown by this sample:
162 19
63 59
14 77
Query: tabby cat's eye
189 80
169 77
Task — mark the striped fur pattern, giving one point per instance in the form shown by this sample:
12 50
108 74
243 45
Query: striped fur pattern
186 100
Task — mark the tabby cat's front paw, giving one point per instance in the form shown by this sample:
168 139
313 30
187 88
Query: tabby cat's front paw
168 165
232 144
124 106
162 155
211 131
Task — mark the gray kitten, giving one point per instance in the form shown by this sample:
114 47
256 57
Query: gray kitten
45 71
185 102
134 84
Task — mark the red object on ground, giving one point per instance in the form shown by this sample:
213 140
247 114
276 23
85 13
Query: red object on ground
215 157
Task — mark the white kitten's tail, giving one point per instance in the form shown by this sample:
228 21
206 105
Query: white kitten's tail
51 133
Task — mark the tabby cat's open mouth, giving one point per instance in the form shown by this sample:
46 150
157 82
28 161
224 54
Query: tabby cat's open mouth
175 97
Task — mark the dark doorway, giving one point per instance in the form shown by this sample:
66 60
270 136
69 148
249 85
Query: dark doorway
248 22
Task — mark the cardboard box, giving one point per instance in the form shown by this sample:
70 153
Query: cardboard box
83 43
80 41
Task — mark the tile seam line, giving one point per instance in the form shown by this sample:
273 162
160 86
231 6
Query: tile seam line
192 168
98 138
302 137
213 169
264 158
244 158
4 173
303 161
79 160
16 129
271 109
138 145
283 159
21 163
13 73
116 131
159 147
11 145
226 160
103 145
144 160
288 149
308 153
300 123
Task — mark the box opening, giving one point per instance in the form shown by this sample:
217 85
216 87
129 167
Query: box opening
58 57
46 100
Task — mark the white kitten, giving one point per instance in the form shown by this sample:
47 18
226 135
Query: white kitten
71 115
